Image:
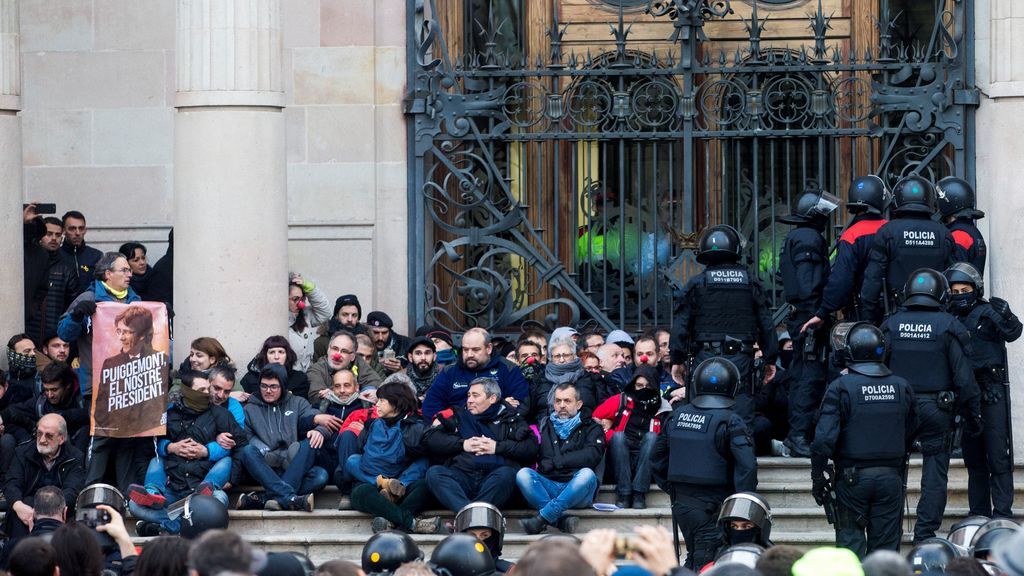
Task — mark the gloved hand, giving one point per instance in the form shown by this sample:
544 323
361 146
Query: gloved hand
82 309
819 488
975 426
1002 307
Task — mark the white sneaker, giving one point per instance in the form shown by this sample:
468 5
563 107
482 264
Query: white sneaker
780 449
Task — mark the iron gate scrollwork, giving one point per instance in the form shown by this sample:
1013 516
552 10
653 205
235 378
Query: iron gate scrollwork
570 188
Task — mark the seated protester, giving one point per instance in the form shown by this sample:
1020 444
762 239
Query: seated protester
347 312
390 345
54 350
21 368
48 461
565 366
535 405
451 385
422 368
631 426
624 341
480 446
646 354
276 350
205 353
444 346
614 367
571 447
274 457
591 363
342 400
193 462
368 352
390 466
341 355
487 523
771 405
533 332
59 396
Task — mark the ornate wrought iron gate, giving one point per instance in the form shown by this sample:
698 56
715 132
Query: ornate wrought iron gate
571 188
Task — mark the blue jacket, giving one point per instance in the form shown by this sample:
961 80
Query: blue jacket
70 330
451 386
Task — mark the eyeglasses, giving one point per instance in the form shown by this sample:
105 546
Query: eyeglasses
270 387
563 356
122 270
342 351
295 298
48 436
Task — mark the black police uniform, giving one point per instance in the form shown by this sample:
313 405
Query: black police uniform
866 426
842 292
930 350
970 241
706 454
722 302
804 268
910 242
989 457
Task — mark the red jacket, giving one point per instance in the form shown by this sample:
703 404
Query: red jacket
617 409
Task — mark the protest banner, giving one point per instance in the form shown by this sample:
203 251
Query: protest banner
131 371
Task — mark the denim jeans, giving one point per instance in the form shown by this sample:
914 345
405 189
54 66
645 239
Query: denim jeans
156 477
159 515
630 477
552 499
455 488
301 477
345 445
416 470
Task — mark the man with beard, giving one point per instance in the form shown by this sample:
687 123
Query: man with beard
347 312
61 284
341 355
452 384
55 349
49 461
390 345
59 396
422 369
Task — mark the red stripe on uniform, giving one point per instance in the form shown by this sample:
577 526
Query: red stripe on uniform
862 228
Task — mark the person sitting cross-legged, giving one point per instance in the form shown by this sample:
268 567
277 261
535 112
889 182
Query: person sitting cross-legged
571 447
482 446
275 457
190 455
390 469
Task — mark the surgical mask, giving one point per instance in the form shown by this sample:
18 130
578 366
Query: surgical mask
961 303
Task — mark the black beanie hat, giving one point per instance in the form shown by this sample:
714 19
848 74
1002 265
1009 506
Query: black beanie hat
347 300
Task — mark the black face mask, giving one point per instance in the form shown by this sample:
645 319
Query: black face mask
742 536
785 358
962 303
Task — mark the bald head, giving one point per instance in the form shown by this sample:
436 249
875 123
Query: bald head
51 431
56 421
611 357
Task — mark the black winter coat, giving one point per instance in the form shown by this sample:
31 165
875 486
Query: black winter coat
515 441
24 474
203 427
560 459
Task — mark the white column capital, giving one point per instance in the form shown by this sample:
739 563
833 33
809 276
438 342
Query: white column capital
229 53
10 56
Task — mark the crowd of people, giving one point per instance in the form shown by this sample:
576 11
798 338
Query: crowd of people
889 347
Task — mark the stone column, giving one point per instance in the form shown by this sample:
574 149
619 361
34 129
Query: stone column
1000 122
230 198
12 300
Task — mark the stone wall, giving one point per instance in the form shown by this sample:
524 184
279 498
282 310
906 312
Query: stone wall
98 131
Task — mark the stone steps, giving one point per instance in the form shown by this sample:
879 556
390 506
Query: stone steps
328 533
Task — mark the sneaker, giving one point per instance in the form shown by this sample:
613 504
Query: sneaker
205 489
396 488
146 529
301 503
534 524
142 497
380 524
430 525
798 447
273 505
251 501
639 500
345 503
779 449
623 502
569 524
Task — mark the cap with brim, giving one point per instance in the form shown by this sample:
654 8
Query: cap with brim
421 341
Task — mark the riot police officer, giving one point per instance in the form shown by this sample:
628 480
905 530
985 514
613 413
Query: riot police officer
746 517
867 199
804 269
462 555
930 350
723 312
909 242
991 324
385 551
959 212
706 453
866 428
